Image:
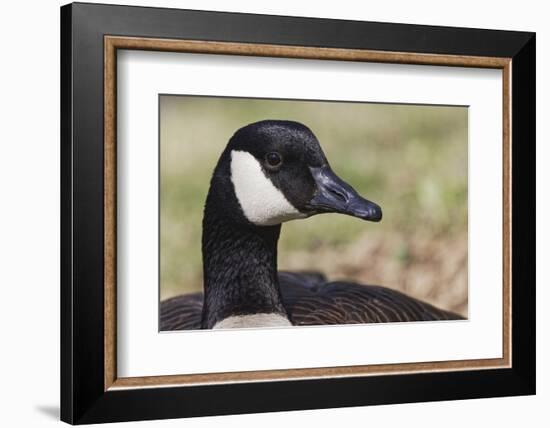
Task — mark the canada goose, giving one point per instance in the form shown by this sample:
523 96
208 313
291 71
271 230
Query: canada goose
271 172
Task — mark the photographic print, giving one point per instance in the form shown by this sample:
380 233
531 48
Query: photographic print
281 213
230 207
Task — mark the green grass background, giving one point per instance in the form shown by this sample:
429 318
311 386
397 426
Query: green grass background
411 160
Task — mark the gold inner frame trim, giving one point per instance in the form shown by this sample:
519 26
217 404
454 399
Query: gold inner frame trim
113 43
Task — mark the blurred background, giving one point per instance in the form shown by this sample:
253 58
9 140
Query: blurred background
410 159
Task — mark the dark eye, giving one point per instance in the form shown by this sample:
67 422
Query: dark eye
273 160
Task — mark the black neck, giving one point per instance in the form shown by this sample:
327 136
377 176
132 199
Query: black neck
239 267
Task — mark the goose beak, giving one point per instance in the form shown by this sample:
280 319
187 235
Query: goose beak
334 195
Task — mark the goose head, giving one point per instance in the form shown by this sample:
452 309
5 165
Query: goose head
270 172
278 172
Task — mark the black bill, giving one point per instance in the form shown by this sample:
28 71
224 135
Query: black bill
334 195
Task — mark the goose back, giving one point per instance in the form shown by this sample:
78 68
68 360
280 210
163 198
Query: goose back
311 300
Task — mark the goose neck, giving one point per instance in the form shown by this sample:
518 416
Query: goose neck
240 270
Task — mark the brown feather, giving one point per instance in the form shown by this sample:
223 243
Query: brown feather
310 300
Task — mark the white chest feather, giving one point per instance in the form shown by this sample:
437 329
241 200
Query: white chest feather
262 203
252 321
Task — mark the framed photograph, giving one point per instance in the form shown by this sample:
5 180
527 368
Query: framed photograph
265 213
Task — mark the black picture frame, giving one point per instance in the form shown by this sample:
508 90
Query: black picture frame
83 398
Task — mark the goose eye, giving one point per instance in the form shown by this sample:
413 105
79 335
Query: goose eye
273 160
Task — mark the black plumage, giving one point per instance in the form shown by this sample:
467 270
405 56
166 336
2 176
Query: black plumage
311 300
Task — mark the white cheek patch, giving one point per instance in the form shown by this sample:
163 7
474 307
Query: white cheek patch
262 203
